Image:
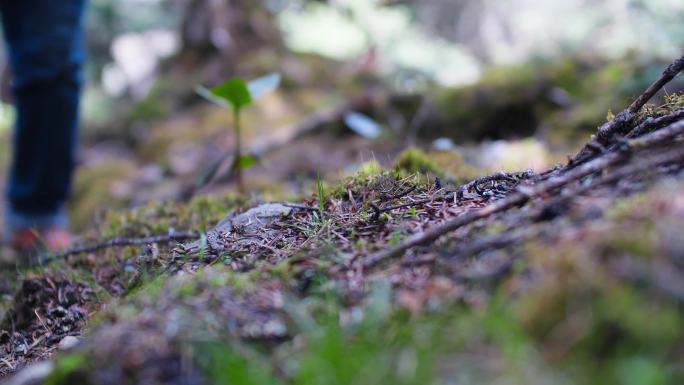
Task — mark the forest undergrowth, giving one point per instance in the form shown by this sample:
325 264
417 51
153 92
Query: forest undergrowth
574 275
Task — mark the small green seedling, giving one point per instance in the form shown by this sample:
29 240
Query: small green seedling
320 192
237 94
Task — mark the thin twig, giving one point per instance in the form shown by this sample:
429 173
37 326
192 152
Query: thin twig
378 210
607 132
652 123
118 242
508 238
474 184
490 178
301 207
47 330
418 203
524 194
668 74
403 193
6 362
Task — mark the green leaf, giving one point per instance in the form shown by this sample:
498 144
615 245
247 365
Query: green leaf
263 85
206 93
245 162
234 91
320 191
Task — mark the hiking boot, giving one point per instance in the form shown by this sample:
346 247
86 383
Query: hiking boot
32 241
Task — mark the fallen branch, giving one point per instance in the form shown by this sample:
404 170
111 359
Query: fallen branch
449 195
514 236
608 131
500 176
525 193
117 242
654 123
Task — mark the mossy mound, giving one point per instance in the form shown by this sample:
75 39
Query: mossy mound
414 161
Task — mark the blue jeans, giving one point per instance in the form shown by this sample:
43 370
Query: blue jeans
46 55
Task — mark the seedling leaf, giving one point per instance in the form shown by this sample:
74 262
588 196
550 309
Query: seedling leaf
362 125
235 92
320 191
245 162
206 94
263 85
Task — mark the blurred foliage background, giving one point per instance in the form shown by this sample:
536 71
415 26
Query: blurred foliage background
450 42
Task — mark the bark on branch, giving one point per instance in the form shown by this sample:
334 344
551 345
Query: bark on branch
525 193
117 242
607 133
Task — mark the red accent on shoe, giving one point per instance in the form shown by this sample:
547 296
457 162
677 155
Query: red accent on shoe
50 239
25 240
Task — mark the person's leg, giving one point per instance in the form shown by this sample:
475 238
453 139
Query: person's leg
44 38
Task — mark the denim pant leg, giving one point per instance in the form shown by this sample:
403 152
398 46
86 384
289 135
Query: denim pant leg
44 38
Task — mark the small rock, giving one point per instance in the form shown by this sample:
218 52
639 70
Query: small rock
252 220
68 343
260 216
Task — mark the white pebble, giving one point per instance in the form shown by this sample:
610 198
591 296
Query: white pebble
67 343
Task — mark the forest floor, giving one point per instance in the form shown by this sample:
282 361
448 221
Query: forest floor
395 275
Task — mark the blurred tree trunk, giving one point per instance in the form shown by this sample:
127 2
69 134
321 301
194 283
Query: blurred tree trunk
226 28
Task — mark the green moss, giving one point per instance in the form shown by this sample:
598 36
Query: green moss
645 225
625 241
415 161
636 313
582 314
674 101
151 288
366 174
155 218
223 364
221 276
281 270
671 103
640 370
368 171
